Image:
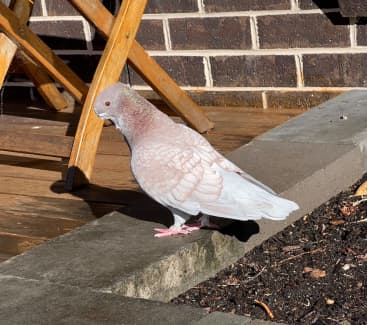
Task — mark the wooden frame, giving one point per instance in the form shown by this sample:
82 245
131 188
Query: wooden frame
121 45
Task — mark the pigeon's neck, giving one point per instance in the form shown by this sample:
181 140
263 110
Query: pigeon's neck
139 127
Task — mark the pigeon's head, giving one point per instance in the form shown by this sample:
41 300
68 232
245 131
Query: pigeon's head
108 104
124 107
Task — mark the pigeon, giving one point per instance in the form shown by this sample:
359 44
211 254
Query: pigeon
179 168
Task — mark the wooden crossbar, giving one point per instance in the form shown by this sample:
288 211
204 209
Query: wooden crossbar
121 45
44 84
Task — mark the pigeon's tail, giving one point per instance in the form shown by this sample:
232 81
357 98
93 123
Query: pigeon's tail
242 199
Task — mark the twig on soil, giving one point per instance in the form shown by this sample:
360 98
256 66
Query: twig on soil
359 221
317 250
255 276
266 308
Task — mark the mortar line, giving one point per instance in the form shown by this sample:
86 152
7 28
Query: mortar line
56 18
294 5
259 52
353 32
261 89
249 13
201 6
208 72
299 70
167 35
255 41
87 35
264 100
44 8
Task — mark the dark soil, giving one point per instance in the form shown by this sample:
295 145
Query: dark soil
313 272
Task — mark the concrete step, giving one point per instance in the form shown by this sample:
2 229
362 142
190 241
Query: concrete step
24 301
309 159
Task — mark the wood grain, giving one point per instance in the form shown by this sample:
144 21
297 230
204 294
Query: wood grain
148 68
39 51
108 72
44 84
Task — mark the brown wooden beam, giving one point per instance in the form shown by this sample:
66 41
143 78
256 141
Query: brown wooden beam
42 54
108 72
43 83
148 68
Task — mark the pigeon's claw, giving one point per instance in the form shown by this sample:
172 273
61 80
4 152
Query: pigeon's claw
174 231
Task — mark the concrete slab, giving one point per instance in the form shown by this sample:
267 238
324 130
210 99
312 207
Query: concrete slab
25 301
118 254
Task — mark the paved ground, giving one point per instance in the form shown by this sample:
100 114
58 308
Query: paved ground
96 267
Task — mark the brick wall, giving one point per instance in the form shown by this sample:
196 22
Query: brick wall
255 53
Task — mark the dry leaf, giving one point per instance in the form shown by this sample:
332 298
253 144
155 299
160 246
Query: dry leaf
336 222
362 190
314 273
317 273
232 281
307 269
346 211
290 248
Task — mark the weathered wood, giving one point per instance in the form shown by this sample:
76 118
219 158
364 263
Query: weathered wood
15 244
148 68
49 145
34 225
44 84
108 72
38 50
78 210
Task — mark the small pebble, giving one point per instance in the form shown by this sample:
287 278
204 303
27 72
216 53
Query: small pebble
330 301
346 267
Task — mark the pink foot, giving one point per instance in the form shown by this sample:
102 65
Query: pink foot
184 230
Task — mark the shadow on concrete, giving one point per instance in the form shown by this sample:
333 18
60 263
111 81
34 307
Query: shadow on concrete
140 206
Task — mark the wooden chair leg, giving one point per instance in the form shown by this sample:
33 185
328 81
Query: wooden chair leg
44 84
108 72
41 53
148 68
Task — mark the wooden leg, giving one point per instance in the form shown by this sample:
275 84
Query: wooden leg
44 84
148 68
108 72
44 56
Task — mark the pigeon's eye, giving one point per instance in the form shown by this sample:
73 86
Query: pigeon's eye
107 103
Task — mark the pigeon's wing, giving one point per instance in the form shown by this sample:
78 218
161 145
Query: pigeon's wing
177 176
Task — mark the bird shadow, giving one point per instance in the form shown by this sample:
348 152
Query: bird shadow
103 200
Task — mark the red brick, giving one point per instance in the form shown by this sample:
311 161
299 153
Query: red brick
186 70
60 34
362 31
297 99
239 5
355 8
168 6
335 70
307 30
60 8
315 4
150 36
228 98
254 71
210 33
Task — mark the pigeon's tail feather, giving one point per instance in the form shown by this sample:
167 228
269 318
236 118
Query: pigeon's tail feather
244 200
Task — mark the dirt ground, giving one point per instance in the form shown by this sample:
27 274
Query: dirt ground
313 272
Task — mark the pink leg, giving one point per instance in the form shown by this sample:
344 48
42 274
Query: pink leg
173 231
